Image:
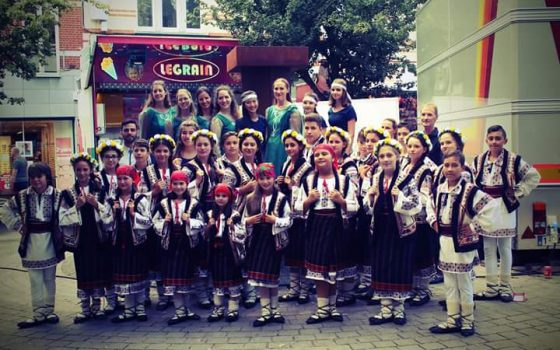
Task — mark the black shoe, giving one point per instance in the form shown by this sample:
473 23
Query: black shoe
303 299
176 319
278 318
400 319
420 299
216 315
375 321
205 304
124 317
162 304
467 332
232 316
52 318
315 318
31 323
81 318
336 316
287 298
345 301
438 278
444 330
261 321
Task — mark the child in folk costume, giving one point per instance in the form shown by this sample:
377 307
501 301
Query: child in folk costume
338 139
110 153
185 151
157 177
226 237
293 173
418 167
204 174
266 214
141 151
459 212
132 219
241 176
367 167
393 201
85 218
230 144
34 213
328 198
505 175
313 133
178 220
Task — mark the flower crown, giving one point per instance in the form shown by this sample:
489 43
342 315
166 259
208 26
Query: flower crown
251 132
382 133
204 132
452 131
162 137
422 135
109 144
339 131
387 142
293 134
85 157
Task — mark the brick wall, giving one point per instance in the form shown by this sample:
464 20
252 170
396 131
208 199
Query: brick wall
71 38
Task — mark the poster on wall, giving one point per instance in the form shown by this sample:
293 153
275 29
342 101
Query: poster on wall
64 171
25 148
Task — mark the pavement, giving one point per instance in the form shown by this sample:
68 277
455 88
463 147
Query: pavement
534 324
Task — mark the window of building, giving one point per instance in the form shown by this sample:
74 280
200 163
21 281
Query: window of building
51 65
168 15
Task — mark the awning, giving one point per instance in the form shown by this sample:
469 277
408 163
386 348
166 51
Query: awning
133 62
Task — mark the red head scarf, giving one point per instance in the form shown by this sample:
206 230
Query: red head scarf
328 148
128 170
224 189
178 175
265 169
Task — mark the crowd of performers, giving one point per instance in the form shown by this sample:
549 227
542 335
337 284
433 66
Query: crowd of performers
376 225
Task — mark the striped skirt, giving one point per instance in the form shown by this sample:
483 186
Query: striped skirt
263 261
393 259
326 248
177 265
294 254
221 265
130 266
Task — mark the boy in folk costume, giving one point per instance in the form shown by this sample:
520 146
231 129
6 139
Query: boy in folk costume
459 212
266 215
85 219
34 213
226 252
504 175
131 211
313 133
328 199
393 201
178 221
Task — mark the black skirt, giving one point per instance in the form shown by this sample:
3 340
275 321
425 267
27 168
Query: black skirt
362 245
221 263
424 264
263 261
177 265
130 266
92 257
294 254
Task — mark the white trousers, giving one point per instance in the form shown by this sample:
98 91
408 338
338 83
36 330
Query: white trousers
491 246
43 290
458 288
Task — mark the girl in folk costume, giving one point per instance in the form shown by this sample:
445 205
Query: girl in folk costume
328 199
367 167
110 153
204 175
266 214
34 213
342 113
141 150
132 219
240 176
293 173
420 168
226 237
459 212
227 113
281 116
450 140
504 175
158 181
338 139
185 111
230 144
85 218
185 151
178 220
392 200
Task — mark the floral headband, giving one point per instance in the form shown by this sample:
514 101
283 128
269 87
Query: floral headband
251 132
422 137
451 131
103 145
336 130
206 133
162 138
380 132
387 142
83 156
293 134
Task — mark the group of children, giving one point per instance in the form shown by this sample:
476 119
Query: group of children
348 225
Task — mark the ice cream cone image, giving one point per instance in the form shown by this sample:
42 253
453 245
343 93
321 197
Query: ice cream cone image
108 67
106 47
